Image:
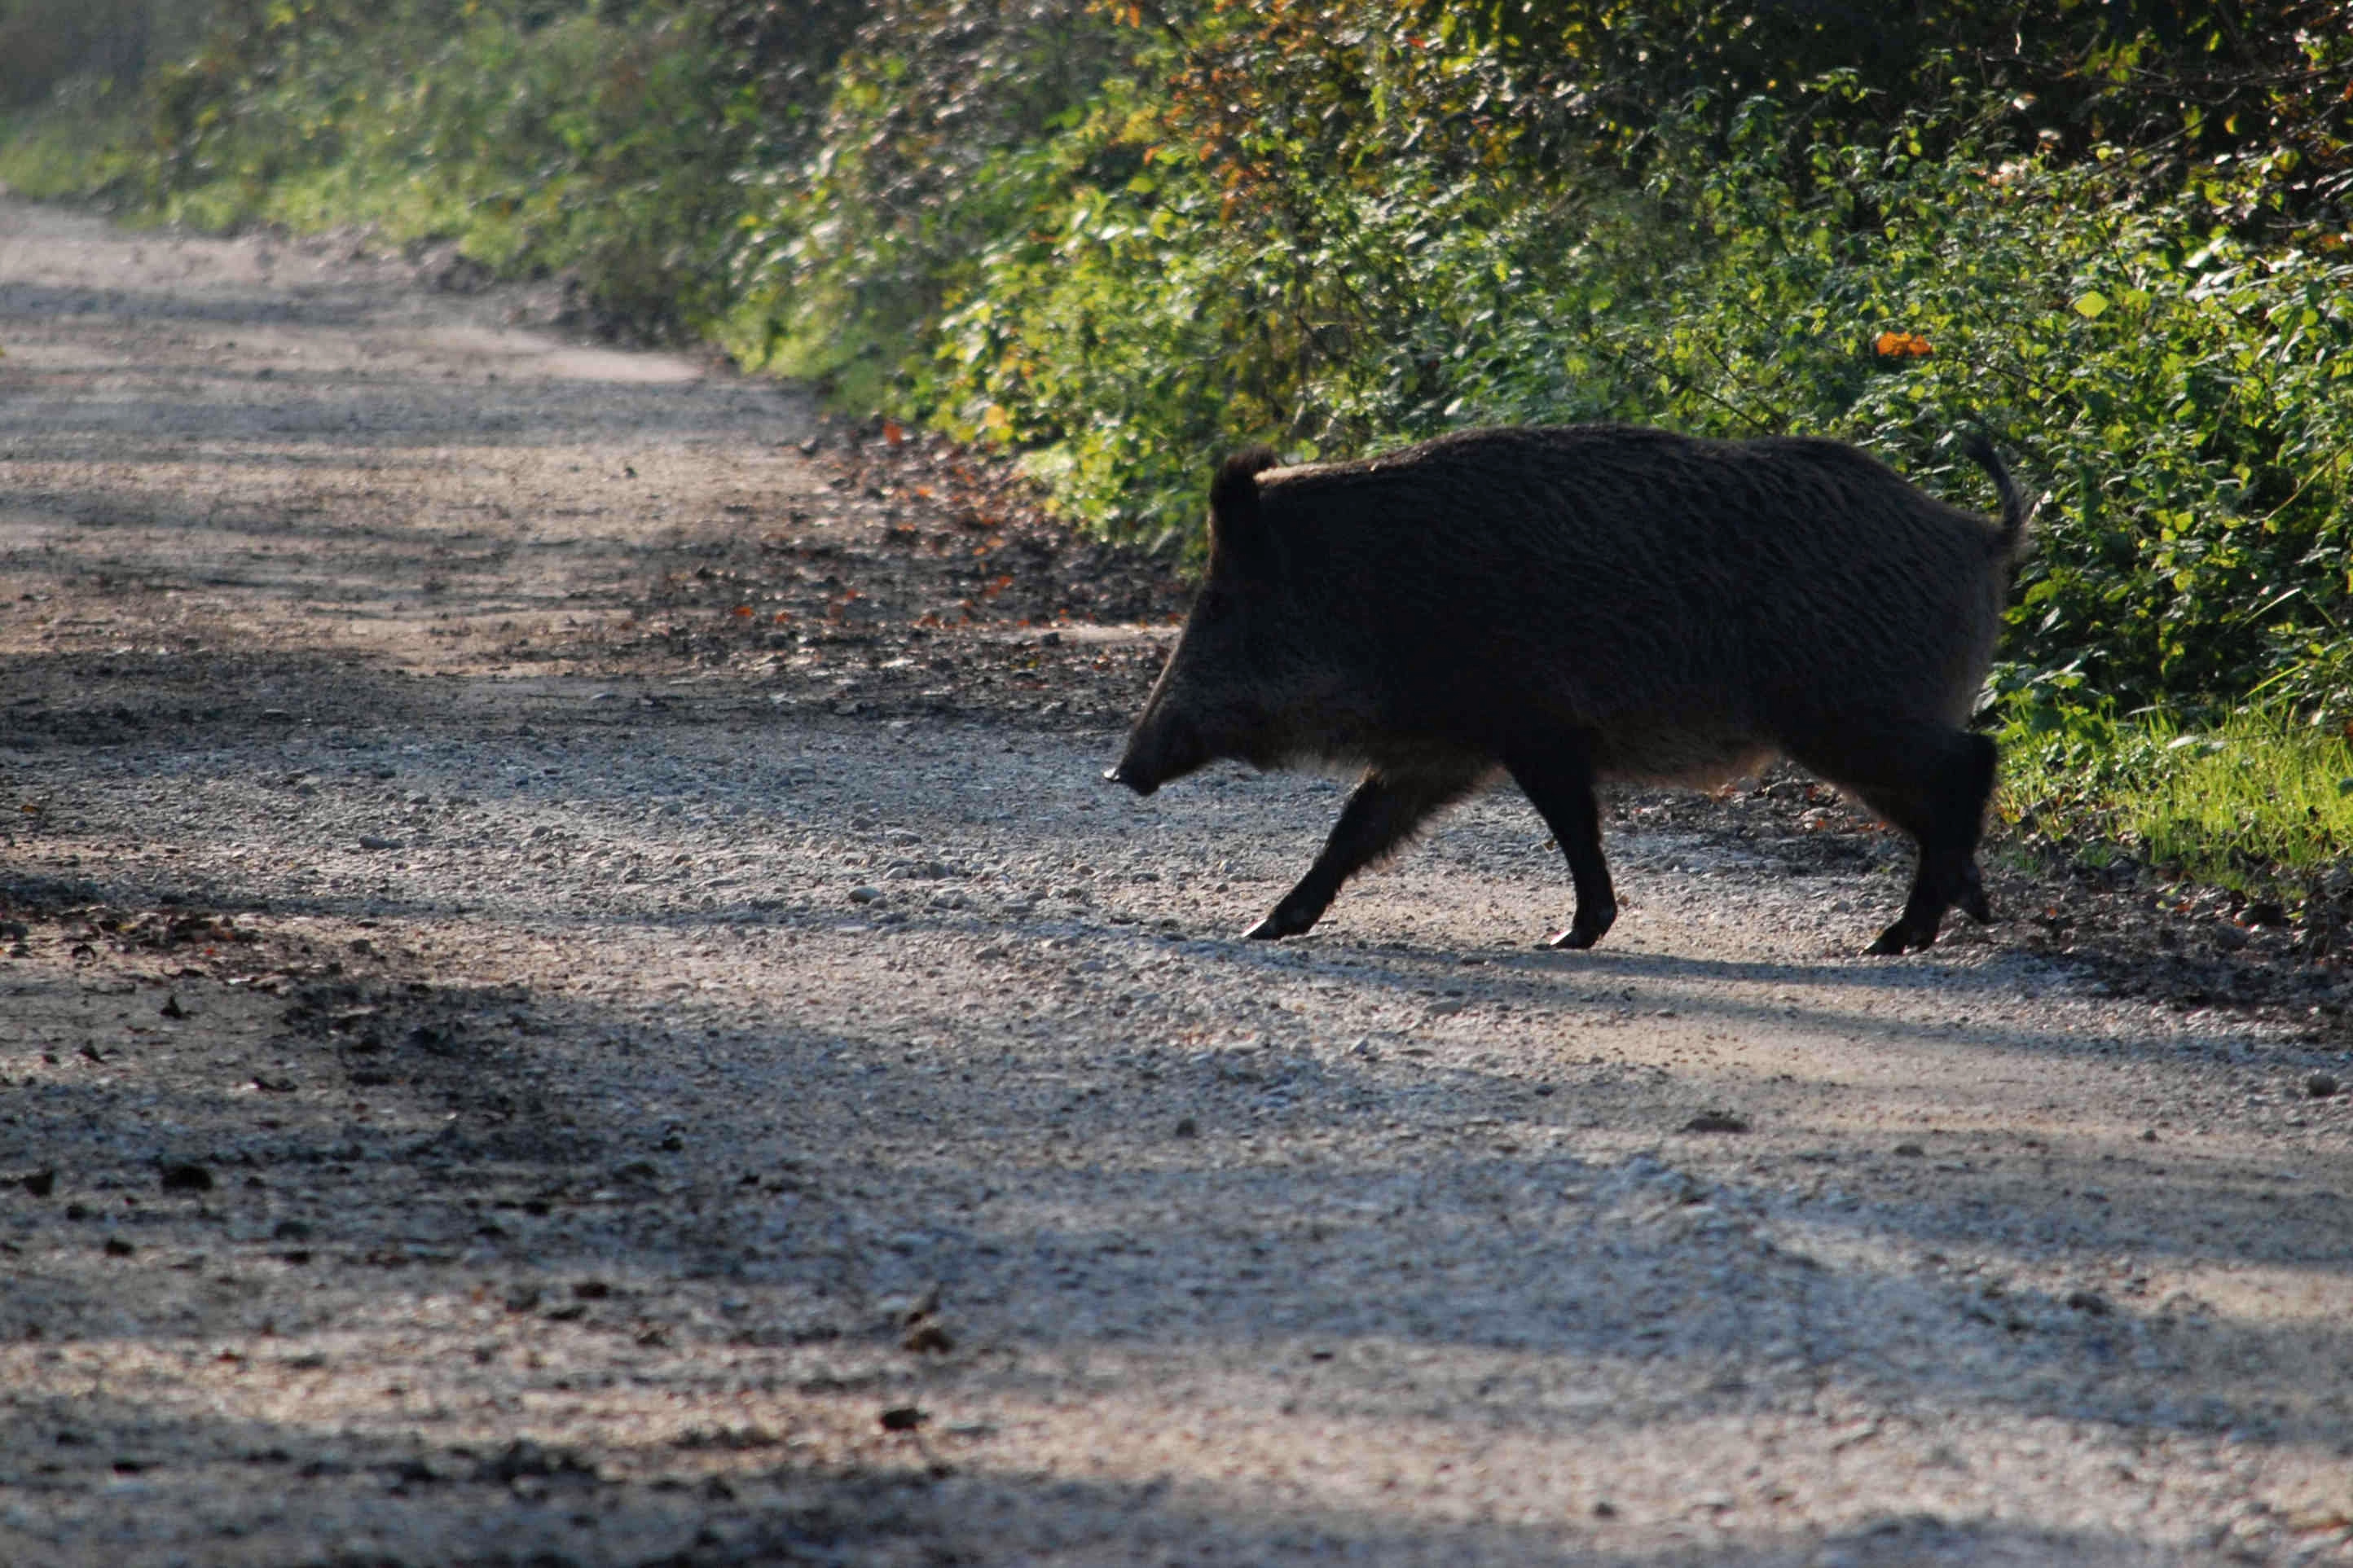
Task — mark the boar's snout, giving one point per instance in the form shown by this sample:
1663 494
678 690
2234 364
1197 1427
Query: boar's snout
1161 749
1117 774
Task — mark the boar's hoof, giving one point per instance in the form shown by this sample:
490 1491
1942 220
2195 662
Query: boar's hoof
1901 938
1585 930
1280 924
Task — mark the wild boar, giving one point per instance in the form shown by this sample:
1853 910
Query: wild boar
1574 605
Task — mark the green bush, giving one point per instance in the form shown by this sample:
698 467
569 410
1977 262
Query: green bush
942 133
537 136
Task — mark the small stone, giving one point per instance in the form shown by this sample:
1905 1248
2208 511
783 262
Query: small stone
118 1248
1910 1150
864 895
187 1178
40 1183
370 841
2090 1302
172 1008
2321 1085
591 1290
1187 1128
1604 1509
1716 1122
903 1418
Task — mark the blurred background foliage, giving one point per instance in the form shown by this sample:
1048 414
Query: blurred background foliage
1121 237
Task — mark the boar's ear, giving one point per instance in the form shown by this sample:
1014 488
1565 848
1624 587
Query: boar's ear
1237 532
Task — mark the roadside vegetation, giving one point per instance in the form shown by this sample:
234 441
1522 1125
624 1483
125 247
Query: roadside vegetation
1120 238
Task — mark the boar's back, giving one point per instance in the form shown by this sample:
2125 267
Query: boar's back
1690 602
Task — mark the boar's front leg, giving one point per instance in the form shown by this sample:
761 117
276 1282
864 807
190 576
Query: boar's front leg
1386 808
1557 775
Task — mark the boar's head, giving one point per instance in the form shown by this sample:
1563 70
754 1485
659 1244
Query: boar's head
1236 684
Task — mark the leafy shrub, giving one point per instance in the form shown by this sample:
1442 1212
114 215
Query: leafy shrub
923 156
539 136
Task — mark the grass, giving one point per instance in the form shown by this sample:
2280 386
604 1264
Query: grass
66 153
2260 798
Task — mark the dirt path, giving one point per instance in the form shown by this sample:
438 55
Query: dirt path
570 996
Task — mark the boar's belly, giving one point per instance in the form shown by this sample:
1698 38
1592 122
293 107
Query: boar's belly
1699 759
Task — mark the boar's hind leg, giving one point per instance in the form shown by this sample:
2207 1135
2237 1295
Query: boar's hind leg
1382 814
1933 783
1558 779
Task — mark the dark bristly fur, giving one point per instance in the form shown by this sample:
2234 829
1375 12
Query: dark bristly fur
1593 603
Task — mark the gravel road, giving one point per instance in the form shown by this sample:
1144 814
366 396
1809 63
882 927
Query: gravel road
571 996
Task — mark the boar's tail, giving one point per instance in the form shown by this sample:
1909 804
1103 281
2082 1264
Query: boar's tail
1233 494
2015 511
